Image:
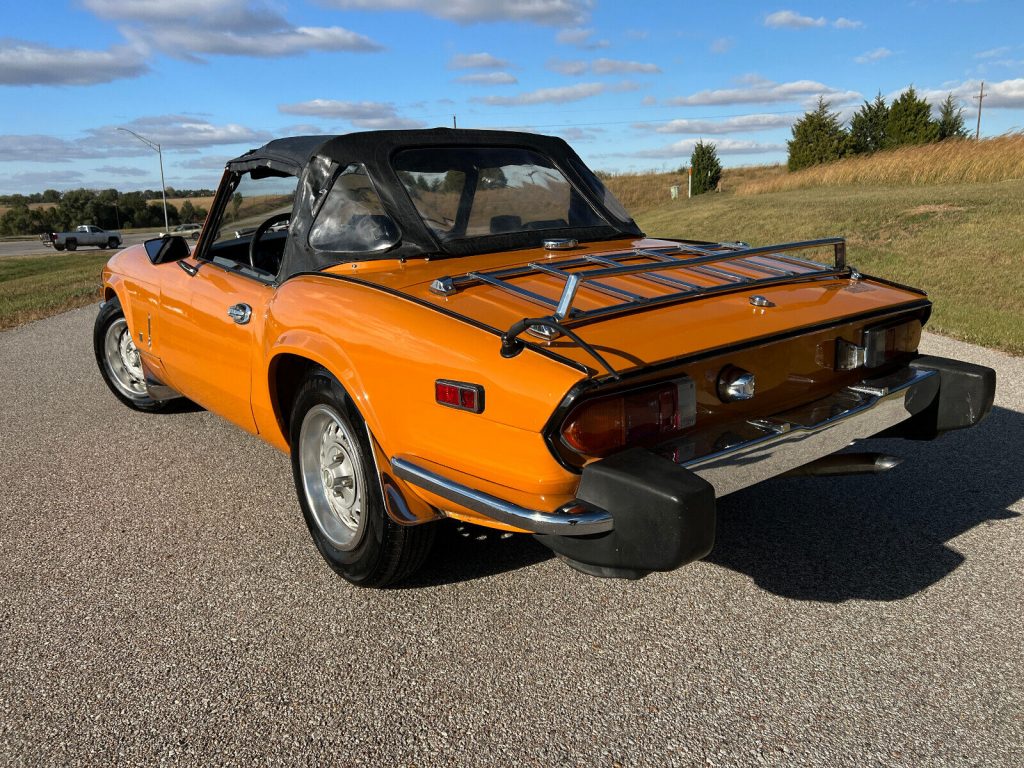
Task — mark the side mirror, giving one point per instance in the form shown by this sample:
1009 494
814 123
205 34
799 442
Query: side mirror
166 249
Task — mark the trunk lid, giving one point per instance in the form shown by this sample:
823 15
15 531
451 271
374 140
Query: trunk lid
705 299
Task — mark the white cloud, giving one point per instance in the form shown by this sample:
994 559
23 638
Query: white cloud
370 115
792 20
211 162
761 91
872 56
560 95
1005 94
581 37
993 53
175 132
564 67
47 179
545 12
488 78
685 147
601 67
722 44
476 61
122 170
24 63
619 67
738 124
188 28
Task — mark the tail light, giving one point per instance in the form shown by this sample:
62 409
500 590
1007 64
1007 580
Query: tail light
645 416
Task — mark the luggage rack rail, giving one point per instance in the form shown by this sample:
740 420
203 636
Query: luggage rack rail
709 261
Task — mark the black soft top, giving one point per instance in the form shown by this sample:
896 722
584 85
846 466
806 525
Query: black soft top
316 160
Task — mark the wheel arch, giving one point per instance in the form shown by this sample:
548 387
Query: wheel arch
288 368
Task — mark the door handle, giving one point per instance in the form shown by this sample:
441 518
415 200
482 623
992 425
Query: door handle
240 313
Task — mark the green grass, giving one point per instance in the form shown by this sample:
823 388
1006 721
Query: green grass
964 244
33 287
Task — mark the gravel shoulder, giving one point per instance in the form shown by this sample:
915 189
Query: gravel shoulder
162 602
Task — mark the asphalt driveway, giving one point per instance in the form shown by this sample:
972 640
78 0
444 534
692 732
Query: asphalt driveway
161 602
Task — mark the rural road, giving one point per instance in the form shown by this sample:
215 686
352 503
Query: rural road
34 247
161 602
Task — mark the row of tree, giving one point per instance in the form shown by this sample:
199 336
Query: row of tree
107 208
820 136
53 196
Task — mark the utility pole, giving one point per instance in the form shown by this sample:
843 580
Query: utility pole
980 97
454 124
163 187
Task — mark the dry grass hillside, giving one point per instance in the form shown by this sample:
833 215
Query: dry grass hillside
948 162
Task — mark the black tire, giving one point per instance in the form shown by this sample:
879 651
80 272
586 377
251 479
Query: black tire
374 551
112 243
71 244
114 346
58 247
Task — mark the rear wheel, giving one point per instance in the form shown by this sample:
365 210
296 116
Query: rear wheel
112 243
58 247
339 491
119 360
72 244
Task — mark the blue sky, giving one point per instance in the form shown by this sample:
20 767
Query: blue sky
631 85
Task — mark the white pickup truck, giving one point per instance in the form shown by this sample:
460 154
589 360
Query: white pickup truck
84 234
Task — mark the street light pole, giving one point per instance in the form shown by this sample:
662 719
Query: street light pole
160 154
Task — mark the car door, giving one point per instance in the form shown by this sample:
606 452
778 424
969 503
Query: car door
213 304
205 352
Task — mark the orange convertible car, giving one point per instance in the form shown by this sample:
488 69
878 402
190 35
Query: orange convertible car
467 324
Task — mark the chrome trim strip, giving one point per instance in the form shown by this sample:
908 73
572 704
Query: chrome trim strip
770 447
576 518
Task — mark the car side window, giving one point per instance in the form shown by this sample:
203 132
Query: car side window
352 218
260 205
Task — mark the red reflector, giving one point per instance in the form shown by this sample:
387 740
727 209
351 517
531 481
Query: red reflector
459 394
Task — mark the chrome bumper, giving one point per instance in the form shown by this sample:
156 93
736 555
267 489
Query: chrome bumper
577 518
739 455
733 457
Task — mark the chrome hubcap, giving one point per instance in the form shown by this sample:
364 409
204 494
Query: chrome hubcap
123 360
331 471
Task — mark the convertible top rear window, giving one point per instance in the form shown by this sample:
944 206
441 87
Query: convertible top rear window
462 192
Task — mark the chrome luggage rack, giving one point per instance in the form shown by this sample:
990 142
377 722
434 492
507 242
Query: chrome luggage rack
590 272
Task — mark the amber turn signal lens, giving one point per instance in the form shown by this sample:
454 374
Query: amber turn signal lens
642 417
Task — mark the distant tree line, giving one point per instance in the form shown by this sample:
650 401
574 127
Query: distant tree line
53 196
106 208
820 137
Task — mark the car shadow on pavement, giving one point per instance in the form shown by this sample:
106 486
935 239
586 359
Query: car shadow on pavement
881 537
465 552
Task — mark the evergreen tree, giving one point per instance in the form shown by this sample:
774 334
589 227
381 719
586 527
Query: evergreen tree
818 137
187 212
867 127
951 120
910 121
707 171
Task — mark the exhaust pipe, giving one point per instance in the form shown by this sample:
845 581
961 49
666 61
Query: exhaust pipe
846 464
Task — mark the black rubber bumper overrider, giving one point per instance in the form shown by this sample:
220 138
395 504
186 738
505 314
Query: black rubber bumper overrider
664 517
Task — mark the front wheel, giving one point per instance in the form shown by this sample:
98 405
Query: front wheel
119 360
339 491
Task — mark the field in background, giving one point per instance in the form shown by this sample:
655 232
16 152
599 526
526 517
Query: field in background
963 243
34 287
